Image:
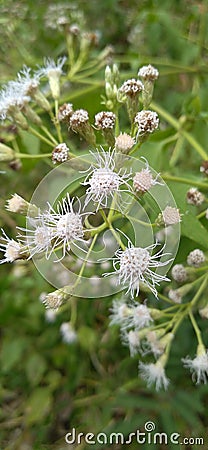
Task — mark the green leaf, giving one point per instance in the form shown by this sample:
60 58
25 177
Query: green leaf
87 338
35 368
191 227
11 353
30 142
38 405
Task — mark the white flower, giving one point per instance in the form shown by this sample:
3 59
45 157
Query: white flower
130 315
103 180
68 334
53 72
135 267
12 249
38 238
198 366
179 273
119 313
143 180
12 98
26 82
54 300
132 339
171 215
196 258
51 68
154 374
64 224
50 315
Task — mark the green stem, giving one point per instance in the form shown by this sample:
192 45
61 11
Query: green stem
46 131
185 181
196 328
177 125
27 156
40 136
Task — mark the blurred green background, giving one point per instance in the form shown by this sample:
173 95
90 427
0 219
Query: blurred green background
46 386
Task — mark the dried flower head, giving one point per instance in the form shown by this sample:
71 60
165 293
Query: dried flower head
196 258
171 215
124 143
131 88
135 267
105 120
204 168
194 197
179 273
149 73
78 119
103 180
60 153
147 121
143 180
79 123
65 112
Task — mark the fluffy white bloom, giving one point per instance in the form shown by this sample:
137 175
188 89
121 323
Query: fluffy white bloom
130 315
143 180
132 339
103 180
135 267
68 334
53 71
171 215
12 249
119 312
154 374
12 97
198 366
52 68
37 238
26 82
65 225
